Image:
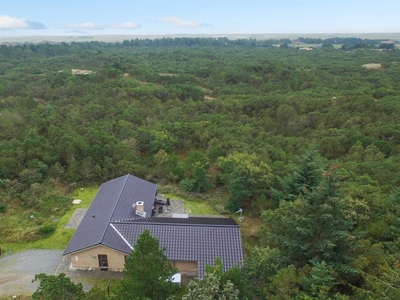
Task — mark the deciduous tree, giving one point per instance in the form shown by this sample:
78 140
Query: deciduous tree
246 175
57 287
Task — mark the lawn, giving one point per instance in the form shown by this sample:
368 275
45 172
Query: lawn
249 227
61 237
194 207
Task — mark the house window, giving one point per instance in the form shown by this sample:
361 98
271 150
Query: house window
103 262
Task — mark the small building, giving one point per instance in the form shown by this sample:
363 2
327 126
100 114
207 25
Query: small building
122 210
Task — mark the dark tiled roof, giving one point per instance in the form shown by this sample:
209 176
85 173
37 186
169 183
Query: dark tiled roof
111 221
209 221
185 242
113 202
136 189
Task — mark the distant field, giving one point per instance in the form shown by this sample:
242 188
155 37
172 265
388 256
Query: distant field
120 38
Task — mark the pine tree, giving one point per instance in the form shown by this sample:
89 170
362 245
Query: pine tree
147 273
314 228
305 178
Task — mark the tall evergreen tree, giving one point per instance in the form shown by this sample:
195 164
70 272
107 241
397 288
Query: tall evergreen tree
305 178
147 273
314 228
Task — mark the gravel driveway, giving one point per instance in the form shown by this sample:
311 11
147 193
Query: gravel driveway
18 270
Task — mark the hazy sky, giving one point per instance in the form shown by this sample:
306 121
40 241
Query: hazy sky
163 17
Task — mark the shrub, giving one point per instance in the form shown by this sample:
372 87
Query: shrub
47 230
188 185
232 205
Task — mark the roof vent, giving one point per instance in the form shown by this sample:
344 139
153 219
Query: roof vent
140 209
180 216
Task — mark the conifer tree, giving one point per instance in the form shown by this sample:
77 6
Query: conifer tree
314 228
147 273
305 178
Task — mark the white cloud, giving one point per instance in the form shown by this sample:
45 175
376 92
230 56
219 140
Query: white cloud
127 25
10 23
174 21
84 25
358 17
93 26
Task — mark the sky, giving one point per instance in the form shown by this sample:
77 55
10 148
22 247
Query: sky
196 17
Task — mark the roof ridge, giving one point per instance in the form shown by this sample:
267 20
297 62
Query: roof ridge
121 236
115 206
174 224
126 220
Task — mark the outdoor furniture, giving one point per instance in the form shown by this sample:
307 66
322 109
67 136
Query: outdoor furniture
159 201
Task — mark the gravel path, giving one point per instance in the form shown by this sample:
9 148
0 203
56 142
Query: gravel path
76 218
18 270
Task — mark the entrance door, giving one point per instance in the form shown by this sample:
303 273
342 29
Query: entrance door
103 262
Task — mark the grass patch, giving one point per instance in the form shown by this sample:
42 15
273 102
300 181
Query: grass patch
194 207
249 227
98 283
101 283
61 236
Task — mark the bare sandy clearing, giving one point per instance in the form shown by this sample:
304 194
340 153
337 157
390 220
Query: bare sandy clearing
168 74
373 66
81 72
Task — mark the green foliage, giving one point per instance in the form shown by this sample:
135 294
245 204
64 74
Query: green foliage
187 91
284 284
147 273
320 281
199 182
188 185
314 227
57 287
261 265
195 168
233 205
245 108
47 230
217 285
246 177
306 177
162 140
209 288
384 284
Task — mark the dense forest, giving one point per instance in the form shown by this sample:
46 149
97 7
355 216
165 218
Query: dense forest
306 141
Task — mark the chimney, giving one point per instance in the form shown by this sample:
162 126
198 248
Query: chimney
140 209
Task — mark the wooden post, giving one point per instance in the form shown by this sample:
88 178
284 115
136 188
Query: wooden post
108 288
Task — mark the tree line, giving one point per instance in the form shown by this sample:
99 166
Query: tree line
305 141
